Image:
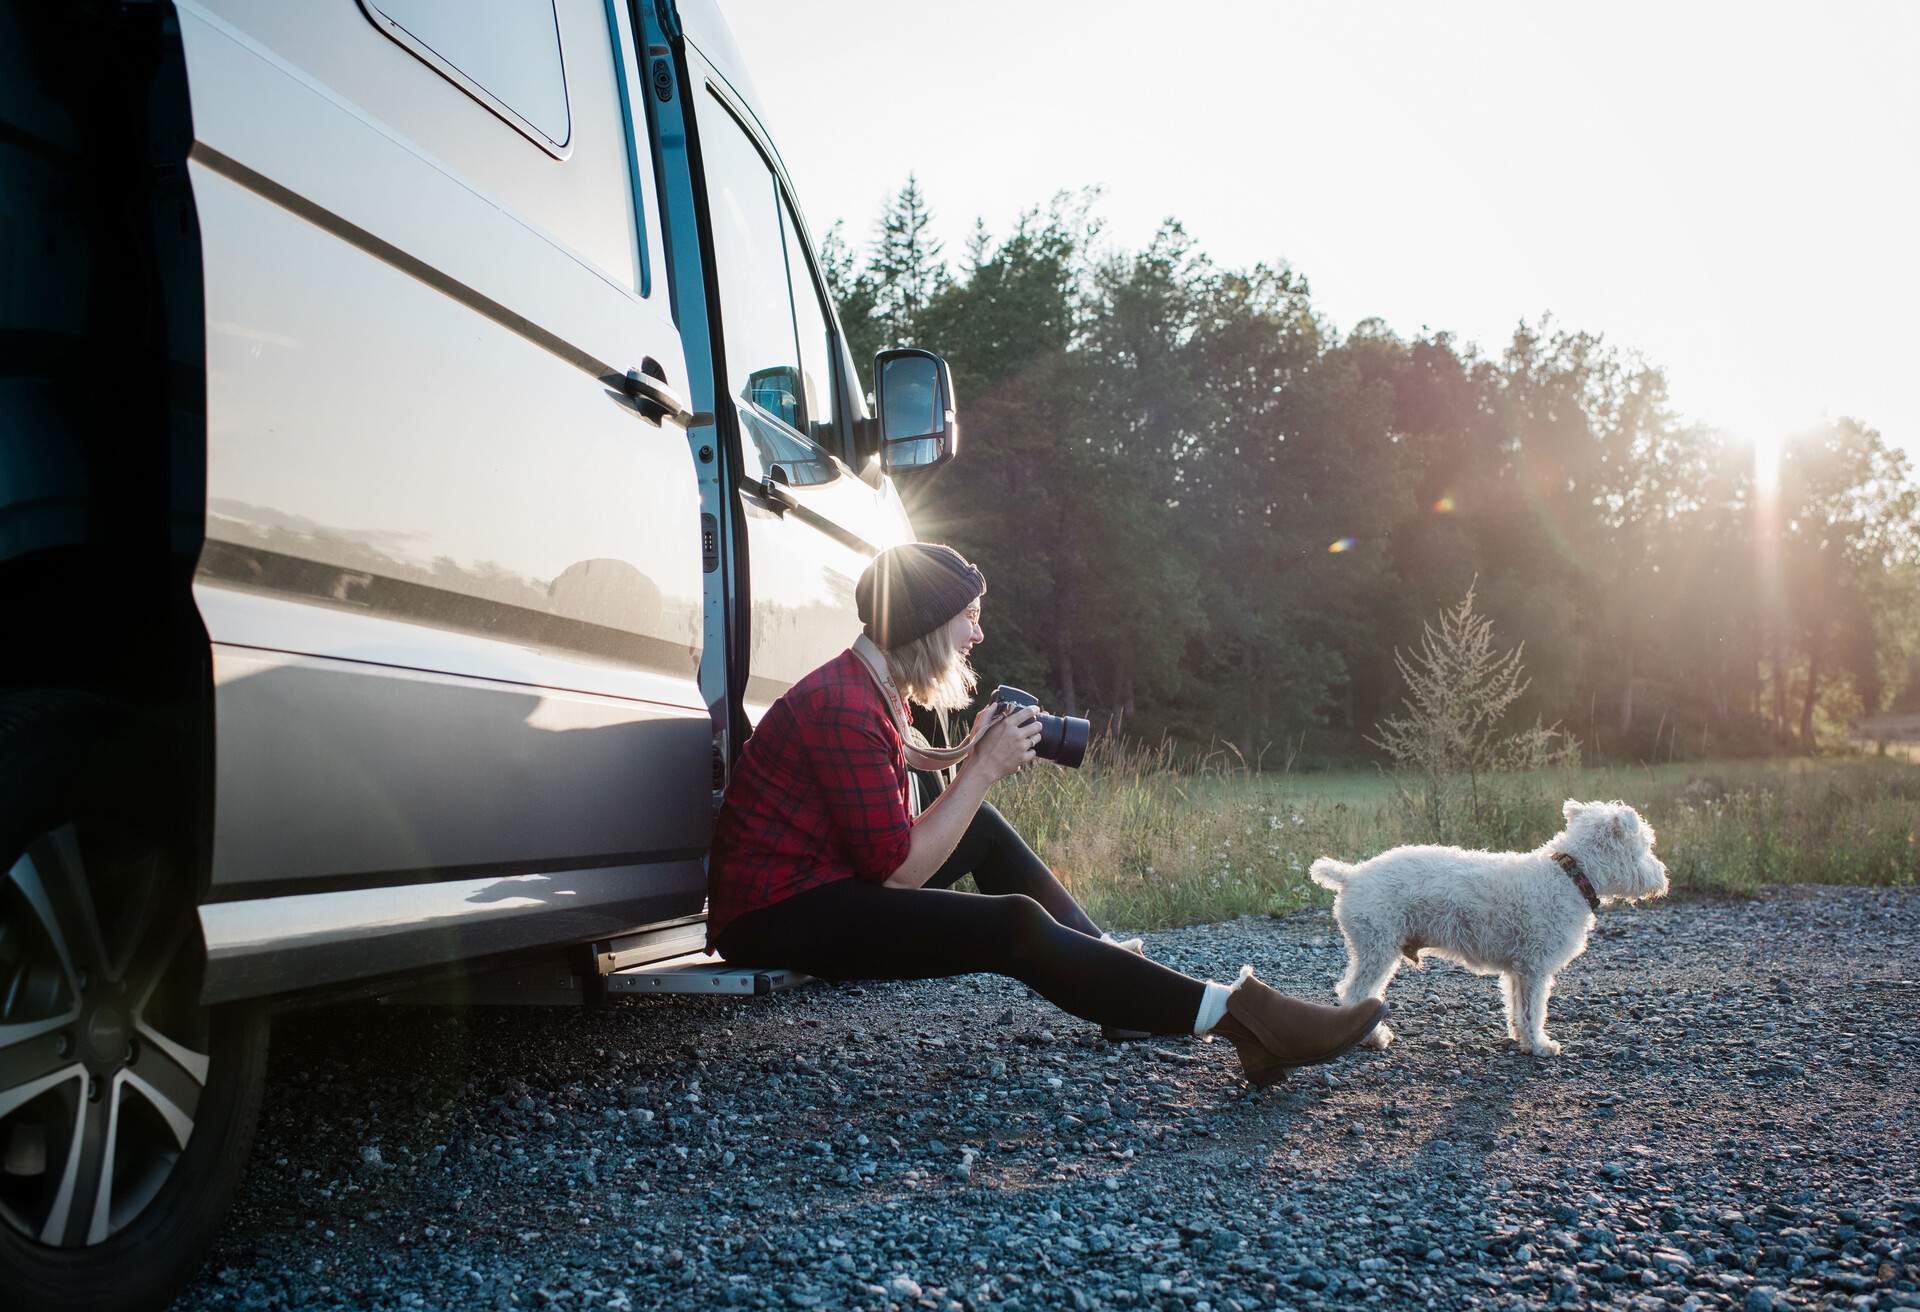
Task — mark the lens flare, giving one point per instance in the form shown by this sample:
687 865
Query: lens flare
1766 466
1767 549
1344 544
1444 506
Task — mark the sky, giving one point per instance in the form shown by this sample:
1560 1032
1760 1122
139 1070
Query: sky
1731 191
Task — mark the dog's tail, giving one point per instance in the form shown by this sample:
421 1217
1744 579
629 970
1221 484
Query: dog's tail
1329 873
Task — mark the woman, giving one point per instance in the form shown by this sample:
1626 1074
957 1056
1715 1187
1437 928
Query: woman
819 865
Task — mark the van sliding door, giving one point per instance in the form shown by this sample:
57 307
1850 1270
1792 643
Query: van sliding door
811 523
452 573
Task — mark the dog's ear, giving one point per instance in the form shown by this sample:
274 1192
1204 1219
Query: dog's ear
1571 808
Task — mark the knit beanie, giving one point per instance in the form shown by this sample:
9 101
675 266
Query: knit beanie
909 591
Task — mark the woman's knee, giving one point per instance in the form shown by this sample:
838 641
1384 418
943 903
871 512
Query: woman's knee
1027 927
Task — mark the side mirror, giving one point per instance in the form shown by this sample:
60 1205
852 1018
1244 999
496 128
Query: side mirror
913 393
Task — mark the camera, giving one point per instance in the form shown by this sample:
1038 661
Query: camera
1063 738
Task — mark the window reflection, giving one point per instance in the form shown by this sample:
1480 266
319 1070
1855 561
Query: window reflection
778 357
816 338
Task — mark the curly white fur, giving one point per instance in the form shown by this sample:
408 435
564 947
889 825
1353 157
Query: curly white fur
1517 915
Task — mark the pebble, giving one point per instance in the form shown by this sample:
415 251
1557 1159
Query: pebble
817 1149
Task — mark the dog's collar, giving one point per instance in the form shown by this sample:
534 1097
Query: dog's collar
1580 880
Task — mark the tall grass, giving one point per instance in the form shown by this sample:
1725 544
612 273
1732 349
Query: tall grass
1145 842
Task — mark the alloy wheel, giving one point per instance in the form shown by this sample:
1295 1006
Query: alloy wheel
103 1046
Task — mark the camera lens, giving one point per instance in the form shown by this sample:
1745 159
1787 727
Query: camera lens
1063 740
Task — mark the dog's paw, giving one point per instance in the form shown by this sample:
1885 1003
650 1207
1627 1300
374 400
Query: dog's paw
1542 1048
1379 1039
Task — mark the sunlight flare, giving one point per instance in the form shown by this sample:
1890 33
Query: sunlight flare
1766 466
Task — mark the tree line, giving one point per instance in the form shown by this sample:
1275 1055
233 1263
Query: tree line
1204 511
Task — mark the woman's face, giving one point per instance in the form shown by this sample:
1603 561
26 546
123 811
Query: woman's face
964 630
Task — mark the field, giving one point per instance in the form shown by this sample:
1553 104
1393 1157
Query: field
1144 845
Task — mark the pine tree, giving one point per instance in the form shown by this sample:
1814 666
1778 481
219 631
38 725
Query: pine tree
907 268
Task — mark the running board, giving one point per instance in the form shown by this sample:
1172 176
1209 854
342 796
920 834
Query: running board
695 972
674 938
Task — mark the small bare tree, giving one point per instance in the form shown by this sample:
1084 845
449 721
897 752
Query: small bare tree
1459 690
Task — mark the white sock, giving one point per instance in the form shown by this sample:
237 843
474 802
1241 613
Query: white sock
1213 1004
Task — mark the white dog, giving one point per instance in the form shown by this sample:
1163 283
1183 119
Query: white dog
1519 915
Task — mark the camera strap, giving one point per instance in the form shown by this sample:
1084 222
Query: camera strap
920 754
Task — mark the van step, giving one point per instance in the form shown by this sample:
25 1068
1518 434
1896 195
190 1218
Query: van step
696 972
673 938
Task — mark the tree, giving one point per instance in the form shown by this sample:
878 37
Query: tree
1459 691
1847 510
906 268
1204 509
857 296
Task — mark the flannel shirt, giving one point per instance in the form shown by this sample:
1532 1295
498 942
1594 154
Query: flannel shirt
820 795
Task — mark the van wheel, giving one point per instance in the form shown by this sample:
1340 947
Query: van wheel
126 1107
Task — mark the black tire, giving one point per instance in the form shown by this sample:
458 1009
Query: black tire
126 1109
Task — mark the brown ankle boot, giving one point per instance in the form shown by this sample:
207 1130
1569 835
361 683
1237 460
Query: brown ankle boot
1273 1032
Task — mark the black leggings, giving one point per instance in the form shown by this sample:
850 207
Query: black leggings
1022 923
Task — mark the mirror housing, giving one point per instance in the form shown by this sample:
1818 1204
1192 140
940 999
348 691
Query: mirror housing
914 410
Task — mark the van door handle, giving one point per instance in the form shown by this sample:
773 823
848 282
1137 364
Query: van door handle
773 490
653 391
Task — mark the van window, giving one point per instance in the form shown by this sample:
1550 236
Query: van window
816 338
506 53
767 363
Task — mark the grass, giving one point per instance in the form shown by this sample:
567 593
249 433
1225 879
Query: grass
1146 845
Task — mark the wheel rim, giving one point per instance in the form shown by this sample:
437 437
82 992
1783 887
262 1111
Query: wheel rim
103 1048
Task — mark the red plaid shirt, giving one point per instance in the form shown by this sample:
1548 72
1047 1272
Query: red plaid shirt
820 794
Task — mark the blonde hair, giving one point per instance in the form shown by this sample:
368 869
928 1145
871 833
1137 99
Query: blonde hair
932 671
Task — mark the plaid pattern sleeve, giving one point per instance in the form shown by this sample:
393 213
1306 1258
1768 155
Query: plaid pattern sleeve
819 794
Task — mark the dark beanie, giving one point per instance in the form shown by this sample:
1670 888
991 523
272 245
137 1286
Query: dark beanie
909 591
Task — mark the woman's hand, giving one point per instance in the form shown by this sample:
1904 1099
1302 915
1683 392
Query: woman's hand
984 717
1008 744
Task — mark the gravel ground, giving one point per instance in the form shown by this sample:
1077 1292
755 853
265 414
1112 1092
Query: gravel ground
1733 1124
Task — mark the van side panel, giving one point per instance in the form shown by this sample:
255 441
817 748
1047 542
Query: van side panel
396 775
430 505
